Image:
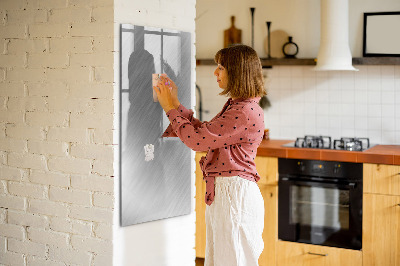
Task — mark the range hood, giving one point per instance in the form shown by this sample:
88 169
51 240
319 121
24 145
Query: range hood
334 51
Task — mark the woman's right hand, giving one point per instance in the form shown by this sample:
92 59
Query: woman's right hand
174 89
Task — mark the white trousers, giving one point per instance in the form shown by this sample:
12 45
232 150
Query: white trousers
234 223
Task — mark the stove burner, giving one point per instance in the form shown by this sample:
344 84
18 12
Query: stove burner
324 142
351 144
308 141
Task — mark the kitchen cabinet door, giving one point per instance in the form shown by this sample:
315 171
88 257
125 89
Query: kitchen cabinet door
381 179
381 230
267 168
270 233
200 209
298 254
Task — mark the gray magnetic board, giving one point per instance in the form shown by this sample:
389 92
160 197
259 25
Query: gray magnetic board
154 184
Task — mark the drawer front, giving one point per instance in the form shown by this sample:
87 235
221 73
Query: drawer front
381 179
293 254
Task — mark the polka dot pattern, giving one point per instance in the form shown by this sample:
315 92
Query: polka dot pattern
231 139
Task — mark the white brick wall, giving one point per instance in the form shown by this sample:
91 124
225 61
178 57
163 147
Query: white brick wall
56 126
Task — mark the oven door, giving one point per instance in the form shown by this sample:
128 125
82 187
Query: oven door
321 212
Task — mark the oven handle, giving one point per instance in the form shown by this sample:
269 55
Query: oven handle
297 181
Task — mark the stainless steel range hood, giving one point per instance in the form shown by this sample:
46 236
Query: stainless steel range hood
334 52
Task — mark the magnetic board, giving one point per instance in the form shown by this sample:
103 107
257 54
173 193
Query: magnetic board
157 186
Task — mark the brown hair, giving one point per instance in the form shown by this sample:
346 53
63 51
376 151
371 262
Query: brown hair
245 77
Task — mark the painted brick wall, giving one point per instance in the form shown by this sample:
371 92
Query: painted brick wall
56 132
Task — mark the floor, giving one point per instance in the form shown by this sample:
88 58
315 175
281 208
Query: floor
199 262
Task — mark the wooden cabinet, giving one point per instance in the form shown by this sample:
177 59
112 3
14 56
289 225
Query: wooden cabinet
270 233
381 221
268 170
381 230
381 179
298 254
200 209
381 215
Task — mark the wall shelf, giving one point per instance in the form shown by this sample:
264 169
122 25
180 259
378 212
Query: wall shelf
376 61
312 61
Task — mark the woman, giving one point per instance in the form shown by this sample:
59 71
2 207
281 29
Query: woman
235 207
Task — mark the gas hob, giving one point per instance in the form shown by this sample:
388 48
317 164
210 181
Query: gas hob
325 142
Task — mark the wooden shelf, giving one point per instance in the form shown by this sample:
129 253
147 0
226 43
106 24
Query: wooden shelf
288 62
268 63
376 61
312 61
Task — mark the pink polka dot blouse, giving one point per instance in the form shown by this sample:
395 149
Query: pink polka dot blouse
231 139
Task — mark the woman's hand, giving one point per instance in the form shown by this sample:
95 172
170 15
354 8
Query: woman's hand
164 95
174 89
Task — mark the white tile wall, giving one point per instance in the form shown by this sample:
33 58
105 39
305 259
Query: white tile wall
338 104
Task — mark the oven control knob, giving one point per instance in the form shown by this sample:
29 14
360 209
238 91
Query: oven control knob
302 167
336 169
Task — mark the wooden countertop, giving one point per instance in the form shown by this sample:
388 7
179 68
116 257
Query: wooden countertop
379 154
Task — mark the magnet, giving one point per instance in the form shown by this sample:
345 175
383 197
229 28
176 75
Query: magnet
155 79
149 152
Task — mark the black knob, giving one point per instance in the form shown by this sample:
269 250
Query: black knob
336 170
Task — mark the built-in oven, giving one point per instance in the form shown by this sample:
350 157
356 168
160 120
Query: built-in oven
320 202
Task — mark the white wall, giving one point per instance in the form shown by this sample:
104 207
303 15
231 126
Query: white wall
299 18
168 241
337 104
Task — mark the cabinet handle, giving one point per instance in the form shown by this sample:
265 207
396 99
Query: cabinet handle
398 204
318 254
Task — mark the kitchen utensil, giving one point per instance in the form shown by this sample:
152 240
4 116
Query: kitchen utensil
290 49
269 38
252 9
232 35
